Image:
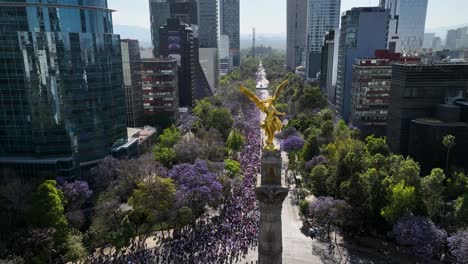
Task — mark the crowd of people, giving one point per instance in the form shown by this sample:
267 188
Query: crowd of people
224 238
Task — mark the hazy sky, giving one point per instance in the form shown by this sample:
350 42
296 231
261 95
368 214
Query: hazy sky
269 16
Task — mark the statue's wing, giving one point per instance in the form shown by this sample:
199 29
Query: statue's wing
279 90
252 97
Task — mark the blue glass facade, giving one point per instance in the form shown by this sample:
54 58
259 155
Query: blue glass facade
363 30
62 100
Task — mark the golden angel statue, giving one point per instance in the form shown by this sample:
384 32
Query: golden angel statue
272 123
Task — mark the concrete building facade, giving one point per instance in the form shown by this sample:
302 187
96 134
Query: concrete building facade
296 38
416 91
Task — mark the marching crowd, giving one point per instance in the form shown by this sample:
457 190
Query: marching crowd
225 238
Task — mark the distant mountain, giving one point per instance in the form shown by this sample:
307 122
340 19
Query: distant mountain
134 32
442 31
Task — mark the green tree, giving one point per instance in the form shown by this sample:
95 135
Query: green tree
433 191
461 210
202 110
457 185
47 210
122 238
232 168
401 202
74 247
169 137
310 99
166 156
221 119
317 180
156 195
375 192
377 146
449 144
235 141
311 148
341 130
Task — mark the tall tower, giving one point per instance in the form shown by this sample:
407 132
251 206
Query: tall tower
407 24
63 99
253 43
322 16
296 33
369 26
230 25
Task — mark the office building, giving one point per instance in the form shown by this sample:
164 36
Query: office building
371 91
132 81
428 40
225 60
457 38
209 63
208 23
322 16
407 24
329 67
416 91
177 41
61 87
230 25
296 33
160 91
363 30
160 10
426 135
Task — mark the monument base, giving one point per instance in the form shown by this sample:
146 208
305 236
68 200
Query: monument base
270 194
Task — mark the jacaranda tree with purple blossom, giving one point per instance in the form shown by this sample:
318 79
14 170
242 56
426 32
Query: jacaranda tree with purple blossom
328 212
423 237
196 185
76 193
458 246
292 145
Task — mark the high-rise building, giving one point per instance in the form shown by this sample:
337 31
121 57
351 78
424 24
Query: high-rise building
322 16
61 88
160 10
160 88
428 40
457 38
208 23
329 67
371 91
416 91
177 41
230 25
296 33
407 24
132 81
363 30
225 60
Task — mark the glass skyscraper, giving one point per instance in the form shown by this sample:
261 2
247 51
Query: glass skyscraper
363 30
230 25
296 33
62 100
322 16
407 24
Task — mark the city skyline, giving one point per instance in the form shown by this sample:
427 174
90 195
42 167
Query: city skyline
440 13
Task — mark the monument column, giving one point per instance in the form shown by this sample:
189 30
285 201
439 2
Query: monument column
270 193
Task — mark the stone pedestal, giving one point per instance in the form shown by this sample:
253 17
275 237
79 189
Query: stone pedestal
270 194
